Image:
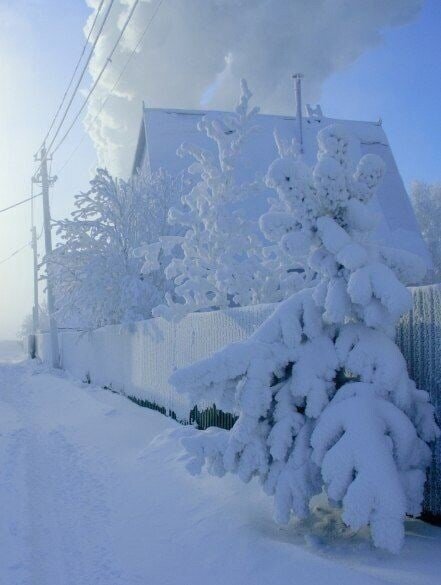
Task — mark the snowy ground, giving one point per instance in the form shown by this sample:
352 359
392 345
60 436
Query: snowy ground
93 491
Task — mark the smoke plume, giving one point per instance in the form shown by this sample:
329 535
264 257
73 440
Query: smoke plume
196 51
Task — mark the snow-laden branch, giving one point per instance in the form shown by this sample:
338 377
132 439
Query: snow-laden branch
97 276
321 391
223 260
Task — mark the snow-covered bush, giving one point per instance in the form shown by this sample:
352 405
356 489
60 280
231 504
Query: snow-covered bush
426 200
218 262
321 390
97 277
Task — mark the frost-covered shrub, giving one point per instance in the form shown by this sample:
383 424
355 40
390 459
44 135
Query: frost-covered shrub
217 263
96 276
322 393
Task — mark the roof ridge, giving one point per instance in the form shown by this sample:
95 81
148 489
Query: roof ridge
192 112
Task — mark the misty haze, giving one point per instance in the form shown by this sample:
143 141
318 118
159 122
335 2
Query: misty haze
220 305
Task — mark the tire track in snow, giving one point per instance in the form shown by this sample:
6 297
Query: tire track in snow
14 547
69 539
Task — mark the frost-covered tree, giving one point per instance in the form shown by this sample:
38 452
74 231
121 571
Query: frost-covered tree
426 200
27 326
217 264
97 278
321 390
282 226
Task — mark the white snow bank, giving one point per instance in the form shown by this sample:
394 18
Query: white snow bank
93 490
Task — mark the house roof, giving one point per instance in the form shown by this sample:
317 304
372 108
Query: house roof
164 130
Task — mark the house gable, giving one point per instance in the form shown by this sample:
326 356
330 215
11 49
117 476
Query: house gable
164 130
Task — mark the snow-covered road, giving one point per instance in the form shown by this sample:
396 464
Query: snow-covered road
93 491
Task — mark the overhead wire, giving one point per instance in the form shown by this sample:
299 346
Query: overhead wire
115 85
20 202
21 248
98 78
83 71
69 85
14 253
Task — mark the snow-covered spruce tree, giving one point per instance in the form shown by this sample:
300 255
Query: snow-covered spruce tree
426 199
218 265
321 390
97 278
285 225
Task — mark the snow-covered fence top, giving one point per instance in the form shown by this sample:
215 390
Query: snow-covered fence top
138 359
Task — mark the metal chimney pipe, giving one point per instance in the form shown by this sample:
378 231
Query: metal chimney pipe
298 77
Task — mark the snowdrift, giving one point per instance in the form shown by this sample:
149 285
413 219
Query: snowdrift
137 360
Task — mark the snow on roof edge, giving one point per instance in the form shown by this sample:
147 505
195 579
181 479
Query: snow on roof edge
189 112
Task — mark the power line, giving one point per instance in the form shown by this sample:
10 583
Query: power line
20 249
97 80
14 253
115 85
20 202
69 85
83 71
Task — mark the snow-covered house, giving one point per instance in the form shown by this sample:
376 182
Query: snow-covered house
164 130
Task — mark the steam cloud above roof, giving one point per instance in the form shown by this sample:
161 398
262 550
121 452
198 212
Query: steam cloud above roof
196 51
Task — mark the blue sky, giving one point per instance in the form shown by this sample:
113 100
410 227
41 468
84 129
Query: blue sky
399 81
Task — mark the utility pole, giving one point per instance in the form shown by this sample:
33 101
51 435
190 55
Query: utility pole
298 78
46 182
36 309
